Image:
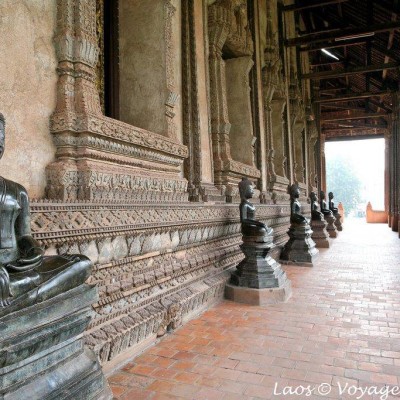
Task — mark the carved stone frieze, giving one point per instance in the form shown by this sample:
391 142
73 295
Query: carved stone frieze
54 223
147 260
91 180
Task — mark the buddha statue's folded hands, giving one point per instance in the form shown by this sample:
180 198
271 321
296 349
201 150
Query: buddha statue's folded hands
31 254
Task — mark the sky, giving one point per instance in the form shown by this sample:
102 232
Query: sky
369 160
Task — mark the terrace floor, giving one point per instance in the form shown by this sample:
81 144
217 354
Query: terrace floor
337 335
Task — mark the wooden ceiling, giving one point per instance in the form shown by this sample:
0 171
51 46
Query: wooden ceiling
354 85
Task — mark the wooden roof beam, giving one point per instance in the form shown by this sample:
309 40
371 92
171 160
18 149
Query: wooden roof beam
346 137
349 71
343 34
352 96
355 125
294 7
334 45
324 64
352 130
336 117
334 89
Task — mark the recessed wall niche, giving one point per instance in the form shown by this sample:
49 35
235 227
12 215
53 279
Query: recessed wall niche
150 65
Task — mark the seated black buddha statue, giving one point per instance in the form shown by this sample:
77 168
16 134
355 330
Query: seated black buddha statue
332 204
316 215
26 276
295 216
324 209
250 226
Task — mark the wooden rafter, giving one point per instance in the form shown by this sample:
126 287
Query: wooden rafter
326 117
349 71
346 135
294 7
343 34
351 96
334 45
353 130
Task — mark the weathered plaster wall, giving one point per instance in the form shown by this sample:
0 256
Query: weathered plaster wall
145 65
202 57
27 89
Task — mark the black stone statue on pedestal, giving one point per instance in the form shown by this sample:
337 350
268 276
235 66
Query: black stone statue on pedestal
316 215
300 248
44 305
335 211
329 217
318 224
258 269
251 228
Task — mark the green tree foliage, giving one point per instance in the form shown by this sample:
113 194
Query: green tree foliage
341 179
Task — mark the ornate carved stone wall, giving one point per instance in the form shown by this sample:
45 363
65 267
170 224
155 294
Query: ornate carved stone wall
147 259
119 192
99 158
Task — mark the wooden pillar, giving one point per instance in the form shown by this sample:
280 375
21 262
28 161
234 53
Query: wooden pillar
395 165
323 163
388 136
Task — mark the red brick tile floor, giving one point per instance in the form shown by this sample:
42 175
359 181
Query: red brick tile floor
341 327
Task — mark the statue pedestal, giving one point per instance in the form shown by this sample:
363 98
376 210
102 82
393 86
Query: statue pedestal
338 223
331 228
320 235
259 297
300 248
258 279
42 355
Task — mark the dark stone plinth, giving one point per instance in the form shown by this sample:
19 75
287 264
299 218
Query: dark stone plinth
338 224
300 248
42 355
320 235
258 270
331 227
259 297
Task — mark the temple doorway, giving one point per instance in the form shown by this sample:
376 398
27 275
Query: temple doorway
355 173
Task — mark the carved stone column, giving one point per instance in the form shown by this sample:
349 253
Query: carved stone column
255 15
227 28
311 146
298 124
274 110
196 130
99 158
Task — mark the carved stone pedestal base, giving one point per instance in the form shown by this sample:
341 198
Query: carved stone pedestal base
320 235
338 223
331 228
259 297
42 355
258 270
300 248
